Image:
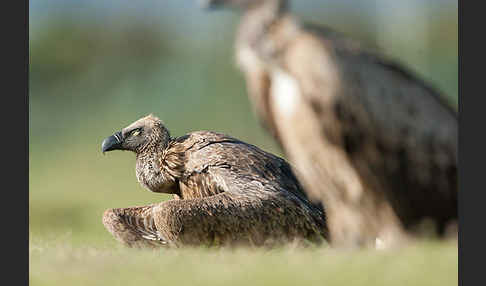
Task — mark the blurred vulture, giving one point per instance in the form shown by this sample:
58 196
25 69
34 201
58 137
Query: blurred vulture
226 192
366 137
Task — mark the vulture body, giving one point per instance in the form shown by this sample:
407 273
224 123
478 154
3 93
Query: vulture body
226 192
370 140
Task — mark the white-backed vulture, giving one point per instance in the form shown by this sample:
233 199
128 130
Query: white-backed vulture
226 192
373 142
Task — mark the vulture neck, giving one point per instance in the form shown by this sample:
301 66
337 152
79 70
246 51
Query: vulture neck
265 29
148 160
159 166
259 17
154 149
268 8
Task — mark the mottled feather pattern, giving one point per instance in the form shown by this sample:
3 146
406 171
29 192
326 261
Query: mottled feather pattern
244 160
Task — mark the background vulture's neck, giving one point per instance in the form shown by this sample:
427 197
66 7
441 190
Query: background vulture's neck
265 29
258 18
268 8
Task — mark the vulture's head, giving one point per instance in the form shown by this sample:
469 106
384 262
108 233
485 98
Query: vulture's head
146 132
239 4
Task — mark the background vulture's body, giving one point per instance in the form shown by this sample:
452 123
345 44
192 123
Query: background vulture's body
226 192
368 139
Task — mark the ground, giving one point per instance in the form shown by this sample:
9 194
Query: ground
58 262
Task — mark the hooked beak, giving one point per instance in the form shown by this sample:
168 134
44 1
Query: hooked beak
113 142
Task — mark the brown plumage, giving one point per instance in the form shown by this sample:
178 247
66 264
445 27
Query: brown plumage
373 142
226 192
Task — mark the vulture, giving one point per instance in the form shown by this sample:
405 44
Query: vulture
226 192
368 138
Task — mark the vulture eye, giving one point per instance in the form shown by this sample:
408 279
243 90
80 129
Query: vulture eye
136 132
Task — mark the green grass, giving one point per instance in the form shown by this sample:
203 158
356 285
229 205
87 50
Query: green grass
58 262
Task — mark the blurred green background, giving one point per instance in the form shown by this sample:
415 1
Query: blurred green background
96 66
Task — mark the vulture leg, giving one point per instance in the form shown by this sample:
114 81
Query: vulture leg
229 218
133 226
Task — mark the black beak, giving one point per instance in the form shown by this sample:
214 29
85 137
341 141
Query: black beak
113 142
